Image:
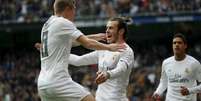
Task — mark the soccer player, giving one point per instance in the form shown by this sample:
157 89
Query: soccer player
178 71
114 68
58 32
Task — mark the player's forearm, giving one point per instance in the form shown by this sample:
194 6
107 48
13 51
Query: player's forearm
75 60
196 89
97 37
119 70
162 87
92 37
75 43
95 45
81 60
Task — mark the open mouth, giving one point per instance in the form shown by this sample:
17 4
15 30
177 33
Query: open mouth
109 36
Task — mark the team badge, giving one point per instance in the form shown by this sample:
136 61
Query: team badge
187 71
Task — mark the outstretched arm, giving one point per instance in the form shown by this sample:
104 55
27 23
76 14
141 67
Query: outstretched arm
97 37
95 45
87 59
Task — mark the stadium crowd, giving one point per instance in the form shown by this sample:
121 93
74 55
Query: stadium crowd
18 74
19 71
37 10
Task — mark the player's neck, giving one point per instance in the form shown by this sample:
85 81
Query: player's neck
120 41
180 57
64 15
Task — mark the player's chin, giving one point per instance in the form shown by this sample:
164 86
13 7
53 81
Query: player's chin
108 41
176 51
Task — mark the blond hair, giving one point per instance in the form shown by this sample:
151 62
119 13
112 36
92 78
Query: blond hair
60 5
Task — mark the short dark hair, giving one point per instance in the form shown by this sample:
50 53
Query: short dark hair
180 36
60 5
121 24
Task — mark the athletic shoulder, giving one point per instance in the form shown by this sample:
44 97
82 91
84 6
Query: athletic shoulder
128 50
168 60
192 59
128 55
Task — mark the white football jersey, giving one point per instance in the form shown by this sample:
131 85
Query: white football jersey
115 88
176 74
56 37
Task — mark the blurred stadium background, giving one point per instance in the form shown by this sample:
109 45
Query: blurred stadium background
153 24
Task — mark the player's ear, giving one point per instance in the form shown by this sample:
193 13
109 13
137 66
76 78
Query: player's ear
186 46
121 31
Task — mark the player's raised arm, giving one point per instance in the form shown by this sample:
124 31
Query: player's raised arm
95 45
97 37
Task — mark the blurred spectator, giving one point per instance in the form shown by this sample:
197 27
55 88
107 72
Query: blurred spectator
18 72
106 9
37 10
86 7
163 6
126 8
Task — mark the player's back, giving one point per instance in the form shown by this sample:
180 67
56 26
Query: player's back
55 51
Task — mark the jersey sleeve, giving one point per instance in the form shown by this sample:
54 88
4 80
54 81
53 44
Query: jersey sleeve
163 82
125 62
128 58
87 59
196 89
68 28
197 71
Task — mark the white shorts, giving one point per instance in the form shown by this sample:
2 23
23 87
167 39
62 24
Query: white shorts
102 96
65 91
111 99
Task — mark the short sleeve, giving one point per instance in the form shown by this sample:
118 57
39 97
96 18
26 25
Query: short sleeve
68 28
